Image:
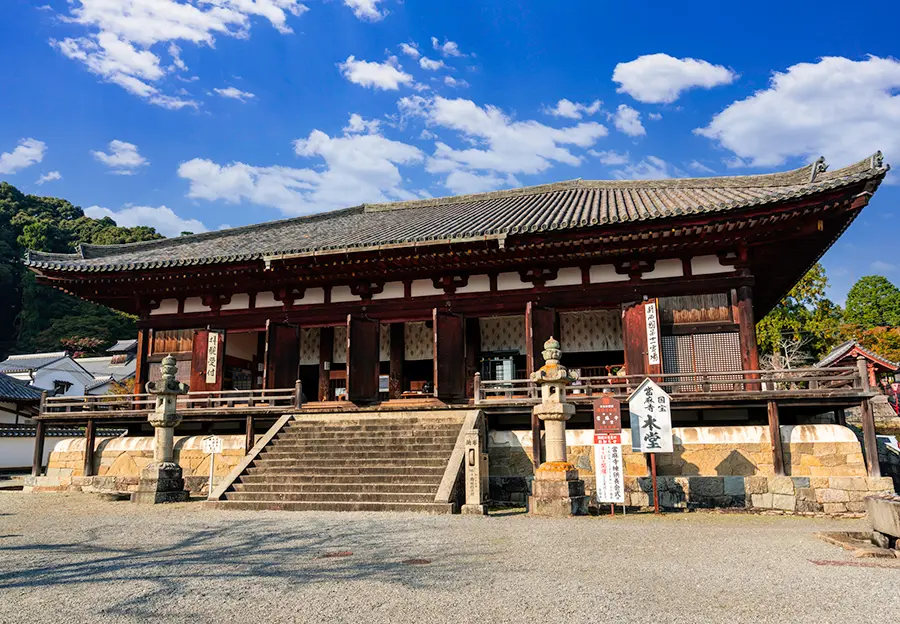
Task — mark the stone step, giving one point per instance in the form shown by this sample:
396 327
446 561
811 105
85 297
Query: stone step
362 421
313 471
360 447
336 497
329 463
321 480
425 427
449 438
407 486
324 456
434 508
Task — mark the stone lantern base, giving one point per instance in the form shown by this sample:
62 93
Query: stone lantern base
161 483
557 491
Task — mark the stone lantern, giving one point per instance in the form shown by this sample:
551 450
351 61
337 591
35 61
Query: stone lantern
162 481
556 489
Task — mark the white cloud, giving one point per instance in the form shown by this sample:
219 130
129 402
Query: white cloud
880 266
836 107
430 65
387 75
655 116
464 182
501 145
28 152
698 166
447 48
410 49
235 94
450 81
660 78
366 9
124 38
358 168
162 218
650 168
611 158
123 158
358 125
48 177
573 110
628 121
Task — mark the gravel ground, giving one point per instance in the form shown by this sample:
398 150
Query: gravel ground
73 558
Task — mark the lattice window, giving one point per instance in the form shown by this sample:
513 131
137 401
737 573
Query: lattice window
172 341
702 353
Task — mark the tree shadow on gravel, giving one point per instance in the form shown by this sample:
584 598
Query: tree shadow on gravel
235 555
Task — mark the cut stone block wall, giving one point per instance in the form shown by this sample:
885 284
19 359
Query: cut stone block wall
718 461
118 463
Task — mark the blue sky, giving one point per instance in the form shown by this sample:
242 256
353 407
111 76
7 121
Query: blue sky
201 115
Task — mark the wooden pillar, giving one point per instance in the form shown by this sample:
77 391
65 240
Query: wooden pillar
473 351
840 417
540 324
396 383
38 460
249 435
870 442
89 437
775 436
141 367
747 329
326 356
449 356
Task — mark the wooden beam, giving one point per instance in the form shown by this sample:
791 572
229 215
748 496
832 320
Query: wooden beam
775 437
326 357
89 438
840 417
396 382
747 329
38 459
473 351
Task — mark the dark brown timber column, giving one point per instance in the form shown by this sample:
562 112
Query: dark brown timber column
634 332
870 442
775 436
249 435
89 437
449 356
326 357
140 372
363 359
747 329
282 355
473 349
398 355
540 325
38 460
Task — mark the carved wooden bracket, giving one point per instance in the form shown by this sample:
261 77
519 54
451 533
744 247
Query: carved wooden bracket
450 282
732 258
215 301
288 296
538 276
364 289
635 268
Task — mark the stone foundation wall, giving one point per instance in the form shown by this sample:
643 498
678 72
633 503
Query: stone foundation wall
118 463
710 467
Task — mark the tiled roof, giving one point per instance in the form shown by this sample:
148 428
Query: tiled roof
561 206
844 348
29 361
122 346
104 368
16 390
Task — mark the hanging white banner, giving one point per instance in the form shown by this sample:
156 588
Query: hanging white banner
653 357
212 357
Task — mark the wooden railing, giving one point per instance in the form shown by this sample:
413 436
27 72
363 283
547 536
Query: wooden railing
798 381
193 402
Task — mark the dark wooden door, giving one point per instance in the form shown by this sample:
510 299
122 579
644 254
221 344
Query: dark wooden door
207 360
540 324
449 356
363 359
635 335
282 355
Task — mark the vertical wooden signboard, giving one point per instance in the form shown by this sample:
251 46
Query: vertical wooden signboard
363 359
449 355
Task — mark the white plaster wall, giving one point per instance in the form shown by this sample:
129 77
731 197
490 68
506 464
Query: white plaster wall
312 296
425 288
604 273
392 290
63 370
706 265
511 281
19 452
340 294
477 283
266 299
240 301
665 269
166 306
194 304
8 415
570 276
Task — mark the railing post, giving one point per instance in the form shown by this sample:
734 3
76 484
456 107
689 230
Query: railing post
89 437
43 408
870 442
38 460
250 436
298 394
477 388
775 433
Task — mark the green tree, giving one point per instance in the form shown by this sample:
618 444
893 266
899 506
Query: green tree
873 301
805 315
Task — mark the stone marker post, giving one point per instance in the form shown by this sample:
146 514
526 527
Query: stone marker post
556 489
162 481
477 485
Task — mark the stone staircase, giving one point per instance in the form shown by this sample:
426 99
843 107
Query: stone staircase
383 462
